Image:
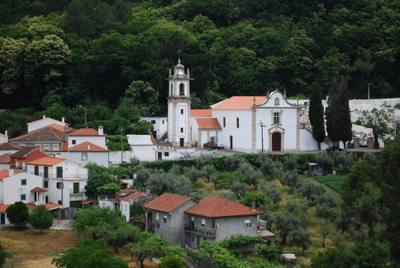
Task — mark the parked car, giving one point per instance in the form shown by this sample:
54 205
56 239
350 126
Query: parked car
333 148
220 146
210 145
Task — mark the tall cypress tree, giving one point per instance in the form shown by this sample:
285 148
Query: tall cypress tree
316 114
331 111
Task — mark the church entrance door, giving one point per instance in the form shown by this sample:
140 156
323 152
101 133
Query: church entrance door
182 142
276 141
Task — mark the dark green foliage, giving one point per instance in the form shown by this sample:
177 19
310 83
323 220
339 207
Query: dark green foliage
272 253
370 158
232 163
239 188
291 179
41 218
334 182
260 199
239 240
203 161
324 160
325 205
114 143
98 176
167 165
344 160
285 224
171 262
271 190
291 205
89 254
316 114
311 190
290 162
18 214
300 238
3 255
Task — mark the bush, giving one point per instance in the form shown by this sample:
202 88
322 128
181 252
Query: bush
334 182
171 262
272 253
41 218
18 214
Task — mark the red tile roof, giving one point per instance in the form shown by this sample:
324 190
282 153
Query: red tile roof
168 202
49 206
1 134
133 196
216 206
49 133
87 201
208 123
47 161
6 173
3 207
128 190
5 158
38 189
87 147
9 147
46 119
85 132
65 146
200 112
239 103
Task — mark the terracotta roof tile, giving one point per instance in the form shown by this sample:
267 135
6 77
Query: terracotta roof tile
1 134
24 152
46 119
3 207
200 112
49 133
87 147
208 123
87 201
48 161
9 147
49 206
133 196
6 173
85 132
216 206
128 190
5 158
38 189
168 202
239 103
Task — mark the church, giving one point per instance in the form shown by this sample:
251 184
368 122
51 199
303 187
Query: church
249 124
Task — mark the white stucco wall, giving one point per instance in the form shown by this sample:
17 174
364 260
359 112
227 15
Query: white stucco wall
98 140
44 123
143 153
7 151
4 166
100 158
11 188
160 126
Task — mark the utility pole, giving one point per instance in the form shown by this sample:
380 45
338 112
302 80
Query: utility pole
369 84
262 135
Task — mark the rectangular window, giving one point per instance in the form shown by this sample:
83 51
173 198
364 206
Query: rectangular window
213 224
237 122
46 147
37 170
73 141
59 202
84 156
163 122
55 147
23 182
76 187
23 197
224 122
276 118
46 172
181 129
203 222
45 184
59 185
165 219
157 216
153 122
166 154
247 223
59 172
181 111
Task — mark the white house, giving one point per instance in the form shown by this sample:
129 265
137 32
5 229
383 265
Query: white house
160 125
44 122
4 137
56 171
82 135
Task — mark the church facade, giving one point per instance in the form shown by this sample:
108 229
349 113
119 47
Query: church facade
248 124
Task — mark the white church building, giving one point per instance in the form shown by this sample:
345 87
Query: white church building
249 124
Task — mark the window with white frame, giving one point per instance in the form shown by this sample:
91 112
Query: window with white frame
203 222
276 118
165 219
84 156
157 216
247 223
276 101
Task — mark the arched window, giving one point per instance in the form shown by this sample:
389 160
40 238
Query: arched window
276 101
181 89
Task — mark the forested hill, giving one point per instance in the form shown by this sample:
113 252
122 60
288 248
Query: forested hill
90 51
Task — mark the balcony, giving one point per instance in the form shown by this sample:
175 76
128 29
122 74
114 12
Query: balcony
202 231
37 203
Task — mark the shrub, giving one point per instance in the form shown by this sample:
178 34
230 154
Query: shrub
334 182
18 214
272 253
171 262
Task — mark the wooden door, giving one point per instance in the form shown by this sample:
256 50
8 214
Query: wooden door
276 141
198 241
230 142
182 142
154 134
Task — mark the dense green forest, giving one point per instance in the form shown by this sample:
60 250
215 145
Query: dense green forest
94 51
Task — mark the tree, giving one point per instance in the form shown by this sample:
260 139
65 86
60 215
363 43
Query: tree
208 171
316 114
193 173
239 188
291 162
291 179
89 254
233 162
324 229
300 238
324 160
285 224
98 176
171 262
334 257
41 218
259 198
311 190
148 246
271 190
291 205
325 205
344 160
343 219
18 214
93 216
378 120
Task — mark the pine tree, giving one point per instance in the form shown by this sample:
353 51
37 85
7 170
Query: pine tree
316 114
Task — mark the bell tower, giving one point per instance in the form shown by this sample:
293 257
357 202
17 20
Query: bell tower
179 106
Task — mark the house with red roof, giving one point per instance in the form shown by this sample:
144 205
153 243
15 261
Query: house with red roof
7 148
160 126
4 137
188 222
55 172
19 159
82 135
5 161
20 186
44 122
168 218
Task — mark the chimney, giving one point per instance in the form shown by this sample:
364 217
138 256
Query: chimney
253 205
63 119
6 132
44 116
88 147
11 172
147 189
100 130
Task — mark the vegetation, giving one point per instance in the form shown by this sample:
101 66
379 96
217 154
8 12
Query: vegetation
316 114
41 218
334 182
18 214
